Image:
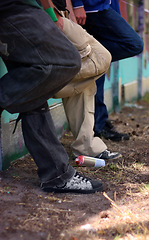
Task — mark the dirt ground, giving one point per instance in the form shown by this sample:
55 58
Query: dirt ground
120 212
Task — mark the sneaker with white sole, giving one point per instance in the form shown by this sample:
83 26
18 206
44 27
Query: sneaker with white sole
107 155
77 184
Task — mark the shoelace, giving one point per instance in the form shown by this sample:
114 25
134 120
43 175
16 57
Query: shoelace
80 176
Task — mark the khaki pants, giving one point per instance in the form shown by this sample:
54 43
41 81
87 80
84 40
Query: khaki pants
78 95
79 110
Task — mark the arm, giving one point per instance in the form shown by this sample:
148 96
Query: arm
79 11
80 15
47 4
70 8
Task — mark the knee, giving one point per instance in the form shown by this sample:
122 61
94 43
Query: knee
74 60
139 46
105 61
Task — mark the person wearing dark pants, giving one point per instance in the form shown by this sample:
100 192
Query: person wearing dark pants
117 36
40 61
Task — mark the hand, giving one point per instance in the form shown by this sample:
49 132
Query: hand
71 12
80 15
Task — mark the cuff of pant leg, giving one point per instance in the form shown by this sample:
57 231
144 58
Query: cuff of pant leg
60 180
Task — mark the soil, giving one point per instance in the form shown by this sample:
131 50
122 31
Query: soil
120 212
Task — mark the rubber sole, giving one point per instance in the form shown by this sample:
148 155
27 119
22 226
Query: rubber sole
63 190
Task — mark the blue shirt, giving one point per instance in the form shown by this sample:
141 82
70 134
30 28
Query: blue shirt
115 5
96 5
91 5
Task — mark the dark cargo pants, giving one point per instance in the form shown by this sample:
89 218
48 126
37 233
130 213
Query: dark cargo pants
41 61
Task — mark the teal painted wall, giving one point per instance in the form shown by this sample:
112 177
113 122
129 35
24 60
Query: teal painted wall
128 69
128 72
3 69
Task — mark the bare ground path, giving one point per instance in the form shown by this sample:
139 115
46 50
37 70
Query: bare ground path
121 212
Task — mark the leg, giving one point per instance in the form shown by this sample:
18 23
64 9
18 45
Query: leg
110 29
79 110
48 63
114 33
103 127
41 140
101 112
38 56
52 161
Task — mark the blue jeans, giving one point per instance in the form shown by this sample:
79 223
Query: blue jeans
114 33
41 61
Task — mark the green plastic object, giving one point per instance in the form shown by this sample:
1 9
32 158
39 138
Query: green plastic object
51 13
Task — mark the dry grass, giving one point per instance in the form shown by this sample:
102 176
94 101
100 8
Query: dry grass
122 221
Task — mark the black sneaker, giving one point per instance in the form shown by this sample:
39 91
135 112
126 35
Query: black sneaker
109 132
107 155
1 109
77 184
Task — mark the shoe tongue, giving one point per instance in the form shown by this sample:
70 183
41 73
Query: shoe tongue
82 176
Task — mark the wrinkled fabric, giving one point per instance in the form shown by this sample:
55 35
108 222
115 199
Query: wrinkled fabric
120 39
79 110
95 59
78 95
41 140
41 60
